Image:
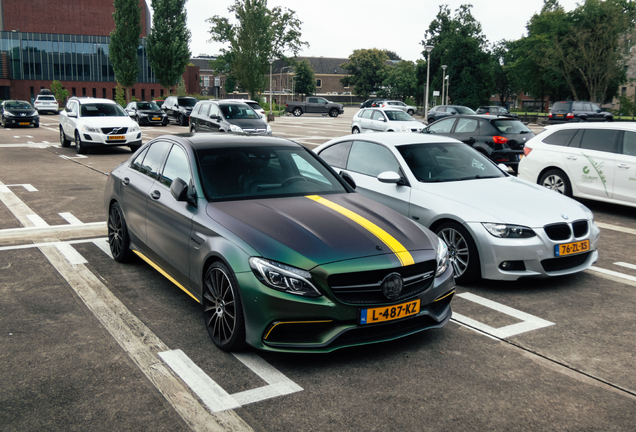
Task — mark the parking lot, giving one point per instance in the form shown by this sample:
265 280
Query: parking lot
90 344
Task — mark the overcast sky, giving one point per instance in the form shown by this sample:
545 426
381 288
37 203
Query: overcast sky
334 28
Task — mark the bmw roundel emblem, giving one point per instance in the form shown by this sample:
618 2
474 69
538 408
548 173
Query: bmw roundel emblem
392 286
565 217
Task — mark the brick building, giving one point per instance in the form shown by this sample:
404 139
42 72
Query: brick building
68 41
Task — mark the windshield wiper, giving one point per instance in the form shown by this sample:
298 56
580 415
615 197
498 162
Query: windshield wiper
477 177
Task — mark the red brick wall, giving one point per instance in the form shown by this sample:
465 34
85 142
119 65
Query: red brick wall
79 17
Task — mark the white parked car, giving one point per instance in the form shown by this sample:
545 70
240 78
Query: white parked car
384 120
46 103
93 122
393 104
495 225
596 161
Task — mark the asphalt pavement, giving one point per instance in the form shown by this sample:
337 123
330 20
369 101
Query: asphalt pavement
87 343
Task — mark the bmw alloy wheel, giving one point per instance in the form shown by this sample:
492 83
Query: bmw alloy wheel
457 249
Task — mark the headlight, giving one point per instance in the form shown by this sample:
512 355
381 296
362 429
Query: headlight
404 129
88 128
235 128
284 278
134 128
8 114
142 114
508 231
441 256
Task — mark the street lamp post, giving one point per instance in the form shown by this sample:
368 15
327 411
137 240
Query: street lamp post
447 87
428 49
270 117
443 78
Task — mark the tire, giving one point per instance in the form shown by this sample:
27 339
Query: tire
556 180
37 125
222 308
355 130
79 147
182 120
193 128
410 112
134 148
297 112
333 113
462 251
118 238
430 120
63 141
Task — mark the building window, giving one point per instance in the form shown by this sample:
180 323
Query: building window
623 91
73 91
161 90
206 81
318 83
94 92
104 93
152 93
133 92
143 94
84 91
113 94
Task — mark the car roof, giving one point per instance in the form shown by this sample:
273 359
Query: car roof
83 100
204 141
396 139
480 116
583 125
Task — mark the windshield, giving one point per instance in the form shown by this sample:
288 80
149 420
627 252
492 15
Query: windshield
102 110
446 162
464 110
187 102
510 126
398 116
46 98
238 111
147 106
17 105
264 172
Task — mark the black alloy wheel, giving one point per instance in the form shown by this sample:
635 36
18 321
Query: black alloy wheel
182 120
118 239
462 251
63 141
297 112
222 308
333 112
79 147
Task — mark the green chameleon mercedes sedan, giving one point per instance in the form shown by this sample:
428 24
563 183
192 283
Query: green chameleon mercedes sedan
281 252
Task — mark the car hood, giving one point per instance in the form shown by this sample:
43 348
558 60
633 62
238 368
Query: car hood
118 121
26 112
249 123
504 200
151 111
303 232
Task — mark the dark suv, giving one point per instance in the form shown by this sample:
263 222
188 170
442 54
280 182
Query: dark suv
577 111
501 139
496 110
372 102
179 108
227 116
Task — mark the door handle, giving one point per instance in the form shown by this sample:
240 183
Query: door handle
155 195
623 166
125 181
571 157
470 140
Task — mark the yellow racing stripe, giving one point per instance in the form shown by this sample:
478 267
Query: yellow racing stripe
396 247
160 270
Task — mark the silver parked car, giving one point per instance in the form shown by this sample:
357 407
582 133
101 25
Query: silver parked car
495 225
394 104
384 120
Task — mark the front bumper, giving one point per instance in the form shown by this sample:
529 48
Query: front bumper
90 139
153 120
530 257
21 121
278 321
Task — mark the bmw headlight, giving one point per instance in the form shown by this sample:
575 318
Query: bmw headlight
89 128
235 128
284 278
441 256
508 231
134 128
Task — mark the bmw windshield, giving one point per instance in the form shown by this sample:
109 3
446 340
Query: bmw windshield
446 162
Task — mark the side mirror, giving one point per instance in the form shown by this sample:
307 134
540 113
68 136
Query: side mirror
598 111
72 114
179 189
389 177
503 167
131 113
347 178
215 117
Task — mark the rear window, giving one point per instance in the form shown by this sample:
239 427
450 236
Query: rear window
46 98
560 138
464 110
561 106
187 102
510 126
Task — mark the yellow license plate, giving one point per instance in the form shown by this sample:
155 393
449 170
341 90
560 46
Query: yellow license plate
572 248
156 118
389 313
116 137
24 123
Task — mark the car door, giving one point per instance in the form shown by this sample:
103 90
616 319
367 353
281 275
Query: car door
70 119
377 122
365 120
198 118
214 118
466 130
366 160
590 161
625 174
168 221
442 127
597 113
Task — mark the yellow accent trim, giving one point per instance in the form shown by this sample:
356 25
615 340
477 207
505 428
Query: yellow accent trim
295 322
160 270
443 297
400 251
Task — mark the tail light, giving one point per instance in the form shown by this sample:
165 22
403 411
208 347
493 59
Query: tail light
527 150
286 104
569 116
500 140
550 115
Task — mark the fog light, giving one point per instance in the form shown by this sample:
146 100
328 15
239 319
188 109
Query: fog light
512 266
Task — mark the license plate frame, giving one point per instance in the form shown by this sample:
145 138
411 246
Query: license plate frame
156 118
116 137
384 313
24 123
572 248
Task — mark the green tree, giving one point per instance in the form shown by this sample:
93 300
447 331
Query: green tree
366 69
124 42
460 44
504 86
400 81
304 79
181 87
168 51
119 95
260 34
60 92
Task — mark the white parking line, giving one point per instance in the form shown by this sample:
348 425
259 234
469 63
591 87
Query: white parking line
71 219
614 274
627 265
616 228
37 221
529 322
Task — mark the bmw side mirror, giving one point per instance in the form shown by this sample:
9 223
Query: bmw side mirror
389 177
504 167
347 178
179 189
